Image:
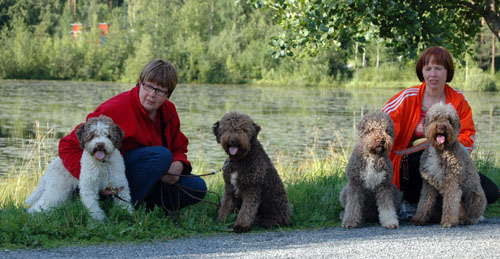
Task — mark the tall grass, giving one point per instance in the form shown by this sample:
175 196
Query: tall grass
25 173
389 76
313 186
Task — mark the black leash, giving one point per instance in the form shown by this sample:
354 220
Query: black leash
200 175
185 190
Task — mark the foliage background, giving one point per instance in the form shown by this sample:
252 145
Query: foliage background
208 41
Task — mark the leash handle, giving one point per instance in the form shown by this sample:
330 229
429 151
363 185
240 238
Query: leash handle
413 149
185 189
200 175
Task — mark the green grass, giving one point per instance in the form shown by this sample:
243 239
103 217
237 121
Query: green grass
313 186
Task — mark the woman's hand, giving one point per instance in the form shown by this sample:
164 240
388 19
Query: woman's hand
173 173
109 191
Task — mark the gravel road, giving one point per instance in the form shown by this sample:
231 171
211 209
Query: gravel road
478 241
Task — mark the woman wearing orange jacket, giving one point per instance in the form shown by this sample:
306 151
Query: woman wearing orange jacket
408 109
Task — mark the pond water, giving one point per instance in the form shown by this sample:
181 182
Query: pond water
297 122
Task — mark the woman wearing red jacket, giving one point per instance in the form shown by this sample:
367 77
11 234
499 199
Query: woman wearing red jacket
408 109
154 148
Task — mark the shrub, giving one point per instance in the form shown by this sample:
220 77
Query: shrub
480 81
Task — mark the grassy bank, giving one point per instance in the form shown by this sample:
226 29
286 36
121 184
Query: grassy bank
313 186
394 76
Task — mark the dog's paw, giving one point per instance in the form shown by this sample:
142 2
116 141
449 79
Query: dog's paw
129 208
29 201
34 209
391 226
389 219
471 221
390 223
448 224
100 217
417 221
349 225
241 229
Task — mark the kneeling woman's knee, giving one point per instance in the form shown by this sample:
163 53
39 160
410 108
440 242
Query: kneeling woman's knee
159 157
162 154
197 187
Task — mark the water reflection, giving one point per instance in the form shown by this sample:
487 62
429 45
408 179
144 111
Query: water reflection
292 118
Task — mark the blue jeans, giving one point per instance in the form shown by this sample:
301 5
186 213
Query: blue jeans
144 168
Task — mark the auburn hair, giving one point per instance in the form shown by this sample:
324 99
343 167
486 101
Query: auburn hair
440 56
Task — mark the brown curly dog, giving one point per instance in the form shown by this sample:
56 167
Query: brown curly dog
252 184
447 169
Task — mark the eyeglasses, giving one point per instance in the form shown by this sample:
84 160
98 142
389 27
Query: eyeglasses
158 91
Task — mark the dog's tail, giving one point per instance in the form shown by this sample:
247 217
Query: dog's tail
37 193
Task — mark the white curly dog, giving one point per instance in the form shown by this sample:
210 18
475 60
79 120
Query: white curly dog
102 167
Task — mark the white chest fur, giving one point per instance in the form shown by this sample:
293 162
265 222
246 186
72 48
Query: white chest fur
234 178
371 177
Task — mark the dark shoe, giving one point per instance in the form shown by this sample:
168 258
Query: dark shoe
406 210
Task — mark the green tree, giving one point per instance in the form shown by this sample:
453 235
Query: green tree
407 25
134 64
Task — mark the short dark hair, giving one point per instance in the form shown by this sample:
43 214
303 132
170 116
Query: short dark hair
441 56
161 73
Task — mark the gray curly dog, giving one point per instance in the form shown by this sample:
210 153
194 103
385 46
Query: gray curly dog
369 193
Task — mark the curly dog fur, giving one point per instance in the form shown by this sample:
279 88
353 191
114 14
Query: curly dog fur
101 164
448 169
369 192
252 184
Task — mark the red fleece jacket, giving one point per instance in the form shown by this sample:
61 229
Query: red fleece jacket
404 109
127 112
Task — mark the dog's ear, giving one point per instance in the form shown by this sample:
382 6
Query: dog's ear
425 122
390 125
117 136
362 124
215 130
80 135
257 129
456 121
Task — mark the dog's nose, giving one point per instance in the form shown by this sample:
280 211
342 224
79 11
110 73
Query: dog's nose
441 128
232 141
99 145
381 141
